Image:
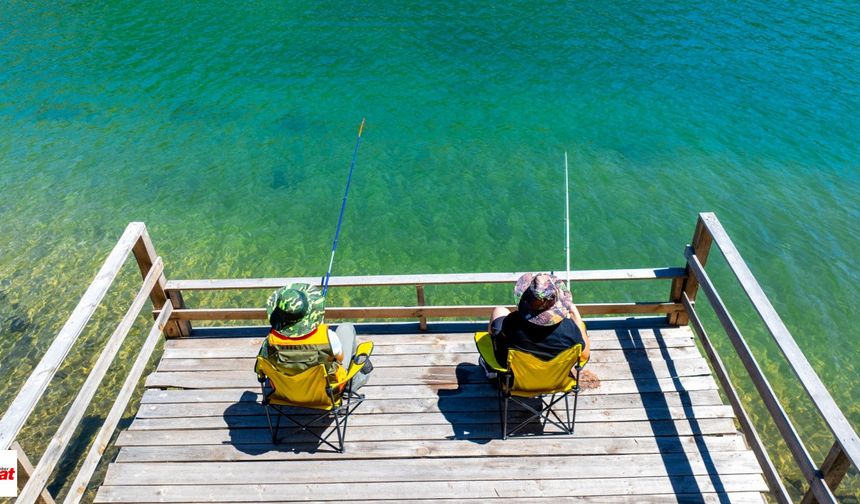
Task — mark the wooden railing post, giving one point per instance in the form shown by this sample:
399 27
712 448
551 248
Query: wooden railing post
701 244
422 320
144 253
834 468
25 470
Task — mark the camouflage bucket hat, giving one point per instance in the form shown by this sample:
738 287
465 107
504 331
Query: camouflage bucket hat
544 300
295 309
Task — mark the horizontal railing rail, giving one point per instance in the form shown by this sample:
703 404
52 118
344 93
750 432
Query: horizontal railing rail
423 279
439 311
421 310
823 479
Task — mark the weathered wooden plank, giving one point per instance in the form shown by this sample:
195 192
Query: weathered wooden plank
669 428
699 498
104 435
469 337
430 418
398 339
604 406
636 358
423 279
250 415
420 470
384 329
477 489
63 435
472 373
450 311
250 347
236 379
243 398
514 447
435 344
833 416
34 387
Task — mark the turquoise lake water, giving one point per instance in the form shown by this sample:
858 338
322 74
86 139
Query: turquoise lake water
228 128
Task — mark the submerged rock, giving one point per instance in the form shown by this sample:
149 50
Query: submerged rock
19 324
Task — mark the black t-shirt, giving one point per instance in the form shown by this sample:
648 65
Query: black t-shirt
544 342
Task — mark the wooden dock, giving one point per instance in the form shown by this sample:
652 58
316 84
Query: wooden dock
654 427
653 430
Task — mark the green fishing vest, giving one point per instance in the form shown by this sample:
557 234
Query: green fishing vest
291 356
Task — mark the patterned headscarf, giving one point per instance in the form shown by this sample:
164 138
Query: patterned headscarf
543 299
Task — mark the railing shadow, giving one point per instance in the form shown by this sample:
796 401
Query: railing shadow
66 469
666 434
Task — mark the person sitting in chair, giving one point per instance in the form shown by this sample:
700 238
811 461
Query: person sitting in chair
545 323
299 338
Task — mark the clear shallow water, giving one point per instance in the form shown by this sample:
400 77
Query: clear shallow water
228 129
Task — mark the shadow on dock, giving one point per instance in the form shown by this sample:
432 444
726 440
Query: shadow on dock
249 430
666 433
467 424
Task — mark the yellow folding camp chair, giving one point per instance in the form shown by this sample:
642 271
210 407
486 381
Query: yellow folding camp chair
527 376
312 389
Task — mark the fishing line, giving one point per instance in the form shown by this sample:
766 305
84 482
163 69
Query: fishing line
567 221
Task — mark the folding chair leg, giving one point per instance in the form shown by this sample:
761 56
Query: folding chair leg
567 415
544 411
505 419
271 428
499 400
575 397
277 426
337 427
272 431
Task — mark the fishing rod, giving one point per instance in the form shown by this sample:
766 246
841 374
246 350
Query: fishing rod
567 221
325 279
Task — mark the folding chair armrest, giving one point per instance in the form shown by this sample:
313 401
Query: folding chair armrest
485 347
581 364
364 349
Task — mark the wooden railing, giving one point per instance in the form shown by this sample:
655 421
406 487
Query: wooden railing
173 319
823 479
134 240
420 311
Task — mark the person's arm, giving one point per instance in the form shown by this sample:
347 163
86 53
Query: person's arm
336 347
574 314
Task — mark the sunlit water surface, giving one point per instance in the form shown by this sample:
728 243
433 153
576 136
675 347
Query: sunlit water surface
228 128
